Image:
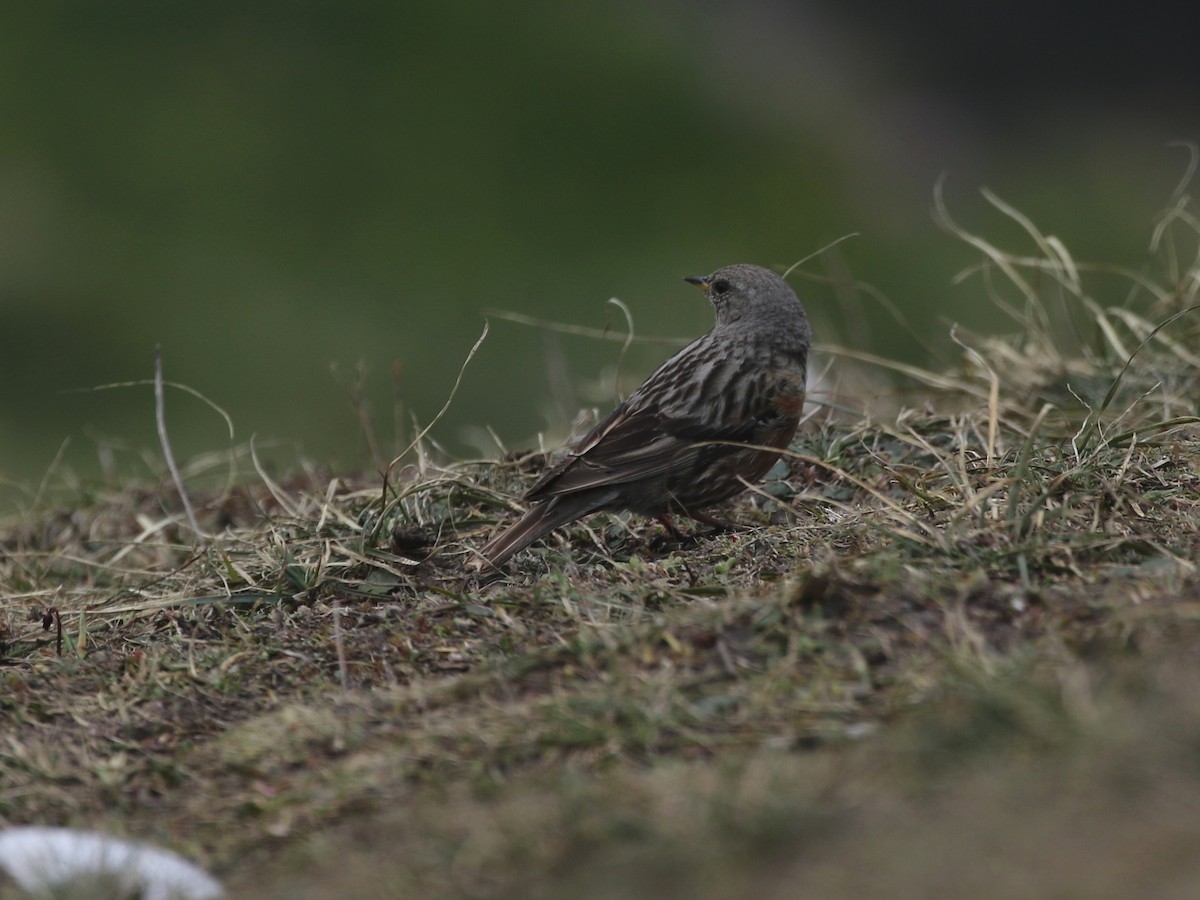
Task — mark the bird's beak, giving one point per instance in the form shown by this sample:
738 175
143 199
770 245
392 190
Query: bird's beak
700 281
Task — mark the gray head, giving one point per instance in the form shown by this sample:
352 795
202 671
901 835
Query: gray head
751 296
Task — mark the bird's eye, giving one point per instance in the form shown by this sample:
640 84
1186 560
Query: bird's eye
721 286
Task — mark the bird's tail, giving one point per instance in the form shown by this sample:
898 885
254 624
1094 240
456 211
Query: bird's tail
540 520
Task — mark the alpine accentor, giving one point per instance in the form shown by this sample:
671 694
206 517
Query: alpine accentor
671 447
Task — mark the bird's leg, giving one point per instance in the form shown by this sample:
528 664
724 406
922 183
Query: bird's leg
703 518
712 521
676 534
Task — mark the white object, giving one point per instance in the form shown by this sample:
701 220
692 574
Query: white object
40 858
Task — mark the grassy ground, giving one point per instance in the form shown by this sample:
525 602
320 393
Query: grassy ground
952 649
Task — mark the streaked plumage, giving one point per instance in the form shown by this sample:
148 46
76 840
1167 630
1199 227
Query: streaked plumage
743 382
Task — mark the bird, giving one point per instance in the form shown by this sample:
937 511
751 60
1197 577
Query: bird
678 444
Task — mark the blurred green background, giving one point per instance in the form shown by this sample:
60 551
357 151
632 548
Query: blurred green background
284 194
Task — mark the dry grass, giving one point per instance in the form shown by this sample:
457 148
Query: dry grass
933 617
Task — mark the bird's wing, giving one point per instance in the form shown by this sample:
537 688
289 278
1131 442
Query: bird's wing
642 440
633 445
